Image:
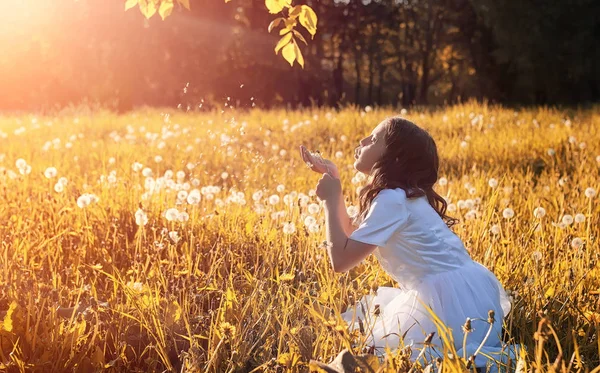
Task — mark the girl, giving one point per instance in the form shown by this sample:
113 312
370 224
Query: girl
403 222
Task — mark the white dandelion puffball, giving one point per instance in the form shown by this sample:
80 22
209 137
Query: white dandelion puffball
59 187
141 218
224 175
495 229
50 172
25 170
339 154
137 167
451 208
289 228
83 201
193 197
280 188
493 183
577 243
172 214
158 159
180 175
352 211
309 220
464 144
20 163
536 255
590 192
598 159
314 228
256 196
539 212
147 172
183 217
174 236
442 181
182 195
551 152
274 199
567 219
313 208
508 213
579 218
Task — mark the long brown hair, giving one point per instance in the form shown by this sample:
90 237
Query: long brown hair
410 161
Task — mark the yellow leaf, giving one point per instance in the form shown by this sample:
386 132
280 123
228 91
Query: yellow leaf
299 56
276 6
185 3
274 23
166 7
282 42
147 7
130 4
289 53
308 19
7 323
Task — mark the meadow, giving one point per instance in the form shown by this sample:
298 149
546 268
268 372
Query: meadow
165 240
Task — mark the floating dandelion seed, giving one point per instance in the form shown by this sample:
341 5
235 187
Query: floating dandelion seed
508 213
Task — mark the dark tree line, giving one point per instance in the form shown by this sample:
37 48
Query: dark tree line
365 52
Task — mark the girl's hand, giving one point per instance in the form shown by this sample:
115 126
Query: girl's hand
329 188
318 164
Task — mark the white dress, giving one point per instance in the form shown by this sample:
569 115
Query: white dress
432 267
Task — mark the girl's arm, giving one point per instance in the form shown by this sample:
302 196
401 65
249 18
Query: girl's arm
343 214
344 252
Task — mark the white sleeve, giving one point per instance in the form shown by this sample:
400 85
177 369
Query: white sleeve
386 215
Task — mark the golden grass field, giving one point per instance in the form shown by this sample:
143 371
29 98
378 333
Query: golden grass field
172 241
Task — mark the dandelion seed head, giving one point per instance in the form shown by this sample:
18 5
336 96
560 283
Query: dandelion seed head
493 183
567 219
579 218
576 243
495 229
539 212
442 181
172 214
508 213
590 192
50 172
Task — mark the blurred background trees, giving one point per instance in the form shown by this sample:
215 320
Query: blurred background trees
365 52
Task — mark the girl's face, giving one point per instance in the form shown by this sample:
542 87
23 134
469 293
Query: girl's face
370 150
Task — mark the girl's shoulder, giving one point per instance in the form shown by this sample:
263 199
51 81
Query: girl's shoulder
391 195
